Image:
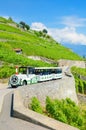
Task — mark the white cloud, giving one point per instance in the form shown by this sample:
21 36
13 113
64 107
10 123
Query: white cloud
73 21
69 33
38 26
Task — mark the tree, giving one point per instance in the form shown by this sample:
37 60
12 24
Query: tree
22 24
36 106
45 31
27 26
10 19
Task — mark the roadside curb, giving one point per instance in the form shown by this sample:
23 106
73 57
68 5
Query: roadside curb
1 102
2 95
24 113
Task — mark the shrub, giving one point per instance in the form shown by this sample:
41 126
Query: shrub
63 110
52 107
35 105
6 71
79 82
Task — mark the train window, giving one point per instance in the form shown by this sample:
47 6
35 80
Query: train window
59 71
31 70
23 70
37 71
44 71
53 71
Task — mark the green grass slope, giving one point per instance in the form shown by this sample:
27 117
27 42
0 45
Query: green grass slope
31 43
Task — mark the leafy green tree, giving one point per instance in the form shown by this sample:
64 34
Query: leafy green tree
45 31
27 26
10 19
22 24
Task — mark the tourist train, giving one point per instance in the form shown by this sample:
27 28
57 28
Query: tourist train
31 75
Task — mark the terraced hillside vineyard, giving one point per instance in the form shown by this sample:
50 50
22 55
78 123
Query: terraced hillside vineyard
32 43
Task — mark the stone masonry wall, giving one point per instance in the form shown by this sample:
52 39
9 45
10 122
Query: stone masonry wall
70 63
60 89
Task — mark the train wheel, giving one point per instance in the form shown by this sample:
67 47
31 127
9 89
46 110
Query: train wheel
24 83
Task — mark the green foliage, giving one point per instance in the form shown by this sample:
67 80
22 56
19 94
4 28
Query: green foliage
7 28
12 58
63 110
24 25
31 42
27 26
72 113
80 83
10 19
53 109
45 31
4 20
78 71
81 86
35 105
6 71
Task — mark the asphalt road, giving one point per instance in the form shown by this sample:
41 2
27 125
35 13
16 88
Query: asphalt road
7 122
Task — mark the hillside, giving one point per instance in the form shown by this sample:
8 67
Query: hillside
32 43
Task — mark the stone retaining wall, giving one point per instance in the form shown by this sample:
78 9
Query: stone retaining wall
60 89
24 113
82 77
82 98
70 63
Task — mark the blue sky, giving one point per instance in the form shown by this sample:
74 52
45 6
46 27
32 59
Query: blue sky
65 20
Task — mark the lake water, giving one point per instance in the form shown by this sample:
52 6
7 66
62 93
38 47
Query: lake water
79 49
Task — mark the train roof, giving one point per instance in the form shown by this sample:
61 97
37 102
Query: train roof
40 67
47 67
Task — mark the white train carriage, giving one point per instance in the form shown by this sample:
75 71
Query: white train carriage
48 73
